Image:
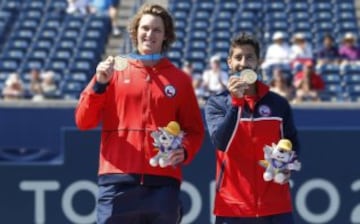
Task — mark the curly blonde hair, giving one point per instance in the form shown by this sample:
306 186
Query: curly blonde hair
155 10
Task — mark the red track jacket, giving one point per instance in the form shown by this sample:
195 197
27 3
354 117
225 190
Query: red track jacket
136 102
239 129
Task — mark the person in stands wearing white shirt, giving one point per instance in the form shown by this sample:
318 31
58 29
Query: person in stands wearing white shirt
278 53
215 79
301 51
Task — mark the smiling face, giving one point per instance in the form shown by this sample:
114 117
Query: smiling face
150 34
166 139
243 57
280 154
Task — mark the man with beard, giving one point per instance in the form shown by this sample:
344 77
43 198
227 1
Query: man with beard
241 121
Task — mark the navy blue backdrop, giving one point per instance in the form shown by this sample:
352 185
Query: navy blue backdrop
55 181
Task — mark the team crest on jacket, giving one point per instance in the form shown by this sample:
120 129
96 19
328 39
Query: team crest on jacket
170 91
264 111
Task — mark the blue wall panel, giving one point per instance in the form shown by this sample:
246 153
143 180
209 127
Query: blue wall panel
63 190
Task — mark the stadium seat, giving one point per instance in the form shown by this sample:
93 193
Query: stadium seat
331 79
195 55
72 87
354 91
82 66
204 5
220 36
297 6
181 15
298 17
8 65
180 6
350 69
319 7
229 6
221 45
57 5
175 55
39 55
14 54
199 25
254 6
86 55
198 67
244 16
276 6
99 22
198 35
223 15
200 15
48 34
276 16
80 77
322 16
351 79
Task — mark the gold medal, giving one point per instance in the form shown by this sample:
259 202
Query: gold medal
120 63
249 76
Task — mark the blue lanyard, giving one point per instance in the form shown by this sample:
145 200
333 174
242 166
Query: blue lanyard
146 57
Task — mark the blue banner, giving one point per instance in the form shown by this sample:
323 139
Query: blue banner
55 181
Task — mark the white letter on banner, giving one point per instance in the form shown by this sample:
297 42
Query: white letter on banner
355 214
334 201
39 187
196 203
81 185
212 200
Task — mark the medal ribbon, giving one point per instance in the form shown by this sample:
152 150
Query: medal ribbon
146 57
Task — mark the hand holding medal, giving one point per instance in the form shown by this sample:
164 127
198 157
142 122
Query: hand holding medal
248 75
104 70
240 81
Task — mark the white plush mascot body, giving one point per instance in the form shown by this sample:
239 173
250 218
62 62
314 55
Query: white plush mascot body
279 161
166 139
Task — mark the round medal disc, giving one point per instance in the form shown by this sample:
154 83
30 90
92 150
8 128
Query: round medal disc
120 63
249 76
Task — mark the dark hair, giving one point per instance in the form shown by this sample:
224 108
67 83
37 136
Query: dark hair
328 36
155 10
245 39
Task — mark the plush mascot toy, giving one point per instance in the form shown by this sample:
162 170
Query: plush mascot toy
166 139
279 161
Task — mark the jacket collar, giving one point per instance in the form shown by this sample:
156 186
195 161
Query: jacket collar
162 63
261 89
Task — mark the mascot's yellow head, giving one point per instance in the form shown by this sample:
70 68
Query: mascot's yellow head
285 145
173 128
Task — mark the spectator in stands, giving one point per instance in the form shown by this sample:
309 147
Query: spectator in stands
196 82
308 84
35 88
300 51
14 88
214 79
280 85
78 7
328 53
241 121
349 51
132 97
109 8
278 53
48 85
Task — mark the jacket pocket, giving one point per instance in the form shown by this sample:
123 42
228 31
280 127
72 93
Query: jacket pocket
221 176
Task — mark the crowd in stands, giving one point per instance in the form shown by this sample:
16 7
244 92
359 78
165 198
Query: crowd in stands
293 71
52 58
291 66
42 86
106 7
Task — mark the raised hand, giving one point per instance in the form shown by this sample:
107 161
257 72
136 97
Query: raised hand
104 70
237 86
